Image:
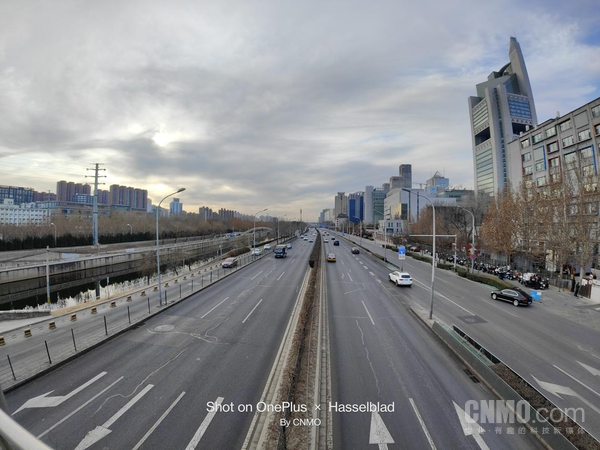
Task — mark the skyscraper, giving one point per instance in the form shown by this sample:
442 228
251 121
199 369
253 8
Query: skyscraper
175 207
502 109
405 172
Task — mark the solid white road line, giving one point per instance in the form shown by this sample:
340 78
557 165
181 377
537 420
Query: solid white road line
203 426
425 430
350 277
581 383
256 275
279 277
259 302
368 312
79 409
151 430
372 273
211 310
104 430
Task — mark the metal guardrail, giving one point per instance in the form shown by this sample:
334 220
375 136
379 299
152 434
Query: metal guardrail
14 437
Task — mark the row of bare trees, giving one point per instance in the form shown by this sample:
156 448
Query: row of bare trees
555 223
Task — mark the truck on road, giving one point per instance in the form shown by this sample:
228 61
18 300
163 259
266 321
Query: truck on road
280 251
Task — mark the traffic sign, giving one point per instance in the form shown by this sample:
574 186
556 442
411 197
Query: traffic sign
401 252
473 256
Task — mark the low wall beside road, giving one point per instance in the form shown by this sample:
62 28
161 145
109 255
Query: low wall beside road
23 315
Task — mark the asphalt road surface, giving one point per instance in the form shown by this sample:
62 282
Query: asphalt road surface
150 387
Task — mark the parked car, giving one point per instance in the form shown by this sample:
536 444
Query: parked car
515 296
331 257
401 278
229 262
267 246
355 250
336 242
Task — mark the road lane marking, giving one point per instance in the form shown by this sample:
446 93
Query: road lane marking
350 277
203 426
368 312
278 278
256 275
425 430
470 427
68 416
212 309
443 296
103 430
581 383
378 433
372 273
41 401
158 422
244 321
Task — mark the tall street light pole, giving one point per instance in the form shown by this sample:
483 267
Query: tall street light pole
54 234
433 253
254 230
157 246
278 219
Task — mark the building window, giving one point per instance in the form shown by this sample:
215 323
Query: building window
565 125
540 166
568 141
596 111
527 170
538 153
540 181
584 135
570 159
536 138
553 147
526 157
525 143
551 131
597 129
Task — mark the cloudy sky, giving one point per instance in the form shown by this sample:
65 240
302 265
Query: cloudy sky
279 104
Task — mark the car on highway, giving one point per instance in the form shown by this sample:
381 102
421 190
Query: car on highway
325 240
401 278
310 240
515 296
289 246
229 262
355 250
336 242
267 246
257 251
331 257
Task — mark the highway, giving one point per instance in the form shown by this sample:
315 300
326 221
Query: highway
557 356
149 387
382 353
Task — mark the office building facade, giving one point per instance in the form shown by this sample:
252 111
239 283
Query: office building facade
175 207
17 194
503 108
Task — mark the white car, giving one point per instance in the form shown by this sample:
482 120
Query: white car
257 251
267 246
325 240
401 278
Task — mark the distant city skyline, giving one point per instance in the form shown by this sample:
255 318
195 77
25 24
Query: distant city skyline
241 109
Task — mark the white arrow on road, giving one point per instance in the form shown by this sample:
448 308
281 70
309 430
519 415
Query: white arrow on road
41 401
558 390
379 433
470 427
99 432
590 369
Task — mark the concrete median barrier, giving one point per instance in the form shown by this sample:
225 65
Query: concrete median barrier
113 304
51 325
93 311
73 317
27 332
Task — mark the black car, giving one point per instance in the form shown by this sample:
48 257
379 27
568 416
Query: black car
336 243
515 296
355 250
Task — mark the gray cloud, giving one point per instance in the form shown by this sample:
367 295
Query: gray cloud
277 104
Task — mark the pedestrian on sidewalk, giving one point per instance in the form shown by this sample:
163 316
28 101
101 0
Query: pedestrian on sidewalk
572 283
577 289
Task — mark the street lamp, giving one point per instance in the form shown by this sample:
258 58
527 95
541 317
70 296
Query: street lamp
54 234
254 230
384 233
130 229
433 253
157 246
281 217
473 240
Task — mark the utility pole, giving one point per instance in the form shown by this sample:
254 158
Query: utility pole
96 176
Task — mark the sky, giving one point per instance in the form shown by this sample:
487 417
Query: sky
269 104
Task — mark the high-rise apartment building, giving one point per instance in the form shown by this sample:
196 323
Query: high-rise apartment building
175 207
405 173
341 204
66 190
17 194
502 109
